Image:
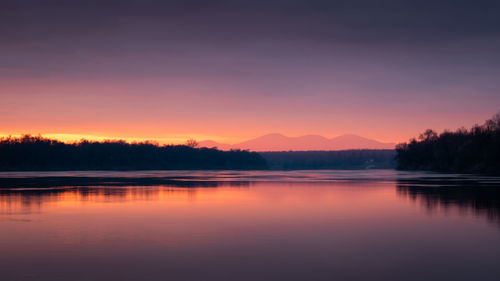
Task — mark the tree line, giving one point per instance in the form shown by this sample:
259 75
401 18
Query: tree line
36 153
343 159
475 150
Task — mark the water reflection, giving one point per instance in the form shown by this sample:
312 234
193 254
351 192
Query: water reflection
353 225
25 200
470 195
479 197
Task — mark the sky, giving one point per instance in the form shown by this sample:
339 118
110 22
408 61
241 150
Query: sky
234 70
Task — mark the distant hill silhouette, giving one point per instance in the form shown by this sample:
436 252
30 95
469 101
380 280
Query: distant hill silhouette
279 142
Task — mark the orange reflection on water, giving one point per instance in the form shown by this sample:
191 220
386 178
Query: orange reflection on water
229 229
179 213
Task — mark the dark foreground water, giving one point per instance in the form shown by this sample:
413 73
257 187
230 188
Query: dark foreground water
300 225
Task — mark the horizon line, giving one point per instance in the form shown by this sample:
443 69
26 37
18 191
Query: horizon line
172 140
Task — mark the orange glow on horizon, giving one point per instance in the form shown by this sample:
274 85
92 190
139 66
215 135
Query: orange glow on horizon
71 138
167 140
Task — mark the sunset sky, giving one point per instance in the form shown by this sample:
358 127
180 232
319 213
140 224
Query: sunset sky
234 70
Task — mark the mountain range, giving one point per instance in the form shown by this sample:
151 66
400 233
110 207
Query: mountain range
279 142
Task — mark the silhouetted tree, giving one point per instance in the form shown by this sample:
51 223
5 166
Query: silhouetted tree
192 143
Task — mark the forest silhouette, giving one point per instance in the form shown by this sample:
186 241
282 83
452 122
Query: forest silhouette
355 159
475 150
37 153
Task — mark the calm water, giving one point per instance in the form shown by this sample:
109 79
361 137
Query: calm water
301 225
